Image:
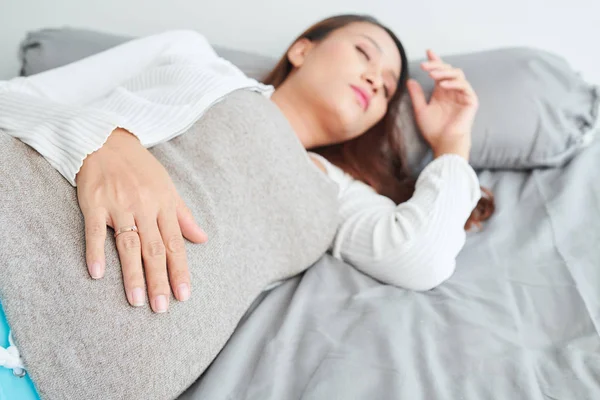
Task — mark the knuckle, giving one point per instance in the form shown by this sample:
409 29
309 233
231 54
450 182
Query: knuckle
175 244
146 194
127 199
133 276
158 286
183 208
134 199
95 229
155 248
179 276
131 241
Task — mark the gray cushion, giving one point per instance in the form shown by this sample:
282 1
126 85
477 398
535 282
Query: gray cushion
535 110
269 214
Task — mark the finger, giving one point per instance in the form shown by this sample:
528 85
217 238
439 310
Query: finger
456 84
95 236
433 65
433 56
461 86
155 262
443 74
177 267
129 248
189 228
417 95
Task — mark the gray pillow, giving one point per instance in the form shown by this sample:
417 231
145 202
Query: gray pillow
53 47
535 110
269 213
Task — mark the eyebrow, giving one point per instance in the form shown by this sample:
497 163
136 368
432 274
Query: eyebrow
396 78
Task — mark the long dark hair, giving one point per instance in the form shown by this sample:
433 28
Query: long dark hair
378 156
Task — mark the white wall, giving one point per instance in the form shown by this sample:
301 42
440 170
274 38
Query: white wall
568 27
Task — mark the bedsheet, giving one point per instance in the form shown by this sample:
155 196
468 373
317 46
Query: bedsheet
519 319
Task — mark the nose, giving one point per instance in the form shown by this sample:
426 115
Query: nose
373 77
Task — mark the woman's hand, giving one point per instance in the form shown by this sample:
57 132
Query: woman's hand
122 185
447 120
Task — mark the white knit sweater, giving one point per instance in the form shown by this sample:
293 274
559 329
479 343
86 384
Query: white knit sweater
158 86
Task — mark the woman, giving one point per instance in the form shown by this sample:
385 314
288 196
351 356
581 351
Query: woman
339 85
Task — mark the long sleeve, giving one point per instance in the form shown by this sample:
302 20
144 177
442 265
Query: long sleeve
156 87
89 79
413 244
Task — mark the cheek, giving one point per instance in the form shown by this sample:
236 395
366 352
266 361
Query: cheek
342 52
328 76
337 63
373 116
379 111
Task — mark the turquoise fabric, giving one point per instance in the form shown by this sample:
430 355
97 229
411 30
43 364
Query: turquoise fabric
12 387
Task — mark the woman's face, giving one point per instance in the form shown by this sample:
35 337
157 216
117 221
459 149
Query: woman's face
349 78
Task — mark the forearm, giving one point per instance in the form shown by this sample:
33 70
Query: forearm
155 105
413 244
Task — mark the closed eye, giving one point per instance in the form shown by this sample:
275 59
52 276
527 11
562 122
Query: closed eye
364 53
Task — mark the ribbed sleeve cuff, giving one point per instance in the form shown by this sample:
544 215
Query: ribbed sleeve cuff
63 134
456 172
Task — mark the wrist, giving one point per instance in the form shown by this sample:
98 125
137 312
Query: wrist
122 133
459 147
459 152
120 139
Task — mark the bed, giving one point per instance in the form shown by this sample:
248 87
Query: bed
517 320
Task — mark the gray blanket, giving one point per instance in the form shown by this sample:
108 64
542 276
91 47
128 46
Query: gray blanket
269 214
518 320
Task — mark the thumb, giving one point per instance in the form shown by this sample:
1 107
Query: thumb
189 228
416 95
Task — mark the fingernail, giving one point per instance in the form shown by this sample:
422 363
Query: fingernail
160 303
183 292
137 297
96 270
203 234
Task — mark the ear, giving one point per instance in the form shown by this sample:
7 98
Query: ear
298 52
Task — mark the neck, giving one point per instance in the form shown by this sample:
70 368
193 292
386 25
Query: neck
300 115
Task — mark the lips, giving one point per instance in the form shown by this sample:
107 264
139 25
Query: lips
362 97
